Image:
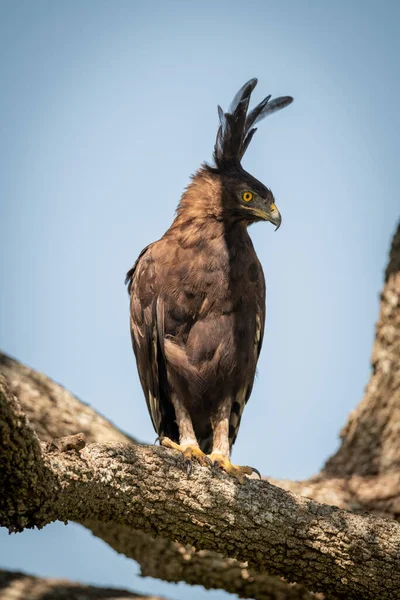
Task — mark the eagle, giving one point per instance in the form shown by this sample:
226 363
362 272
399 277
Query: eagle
197 299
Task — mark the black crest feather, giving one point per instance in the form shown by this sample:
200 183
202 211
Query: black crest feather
236 129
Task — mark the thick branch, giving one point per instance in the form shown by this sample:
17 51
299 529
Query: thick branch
325 548
174 562
19 586
55 412
370 439
379 494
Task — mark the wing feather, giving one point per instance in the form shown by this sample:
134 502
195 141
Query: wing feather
146 320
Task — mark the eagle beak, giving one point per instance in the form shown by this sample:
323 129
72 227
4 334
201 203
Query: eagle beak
266 213
274 216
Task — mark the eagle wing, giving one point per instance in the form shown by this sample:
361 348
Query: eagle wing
146 326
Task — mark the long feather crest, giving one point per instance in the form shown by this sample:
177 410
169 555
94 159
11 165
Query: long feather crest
236 126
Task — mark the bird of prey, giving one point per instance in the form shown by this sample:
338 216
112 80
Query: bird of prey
197 299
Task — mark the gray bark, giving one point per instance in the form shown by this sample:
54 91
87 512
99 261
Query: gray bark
143 487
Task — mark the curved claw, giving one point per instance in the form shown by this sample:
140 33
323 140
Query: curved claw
188 464
158 439
222 462
208 462
256 471
214 466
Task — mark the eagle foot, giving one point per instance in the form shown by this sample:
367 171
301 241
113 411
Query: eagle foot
189 452
219 461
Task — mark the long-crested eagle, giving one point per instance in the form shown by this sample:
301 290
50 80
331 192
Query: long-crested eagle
197 306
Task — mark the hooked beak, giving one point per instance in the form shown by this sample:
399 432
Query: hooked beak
271 214
274 216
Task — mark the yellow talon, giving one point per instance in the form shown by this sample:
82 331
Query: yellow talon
189 452
223 462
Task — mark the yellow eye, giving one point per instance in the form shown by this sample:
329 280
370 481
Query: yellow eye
247 196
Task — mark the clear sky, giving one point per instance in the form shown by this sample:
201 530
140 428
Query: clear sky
106 108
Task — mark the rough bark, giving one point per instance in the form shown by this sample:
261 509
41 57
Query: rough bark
325 548
363 475
174 562
378 494
19 586
55 412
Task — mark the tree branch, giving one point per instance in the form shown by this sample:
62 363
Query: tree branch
174 562
142 487
55 412
19 586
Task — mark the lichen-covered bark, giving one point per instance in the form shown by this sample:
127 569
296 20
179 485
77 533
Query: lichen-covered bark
24 477
144 488
55 412
19 586
175 562
378 494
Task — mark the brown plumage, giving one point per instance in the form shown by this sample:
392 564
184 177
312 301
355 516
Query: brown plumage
198 298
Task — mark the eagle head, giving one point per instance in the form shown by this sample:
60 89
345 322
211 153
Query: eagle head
225 190
244 198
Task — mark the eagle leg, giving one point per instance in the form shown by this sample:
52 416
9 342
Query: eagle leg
219 456
188 444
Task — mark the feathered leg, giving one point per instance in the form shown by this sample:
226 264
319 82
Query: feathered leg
188 444
221 448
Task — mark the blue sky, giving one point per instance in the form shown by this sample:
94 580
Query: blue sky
106 109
